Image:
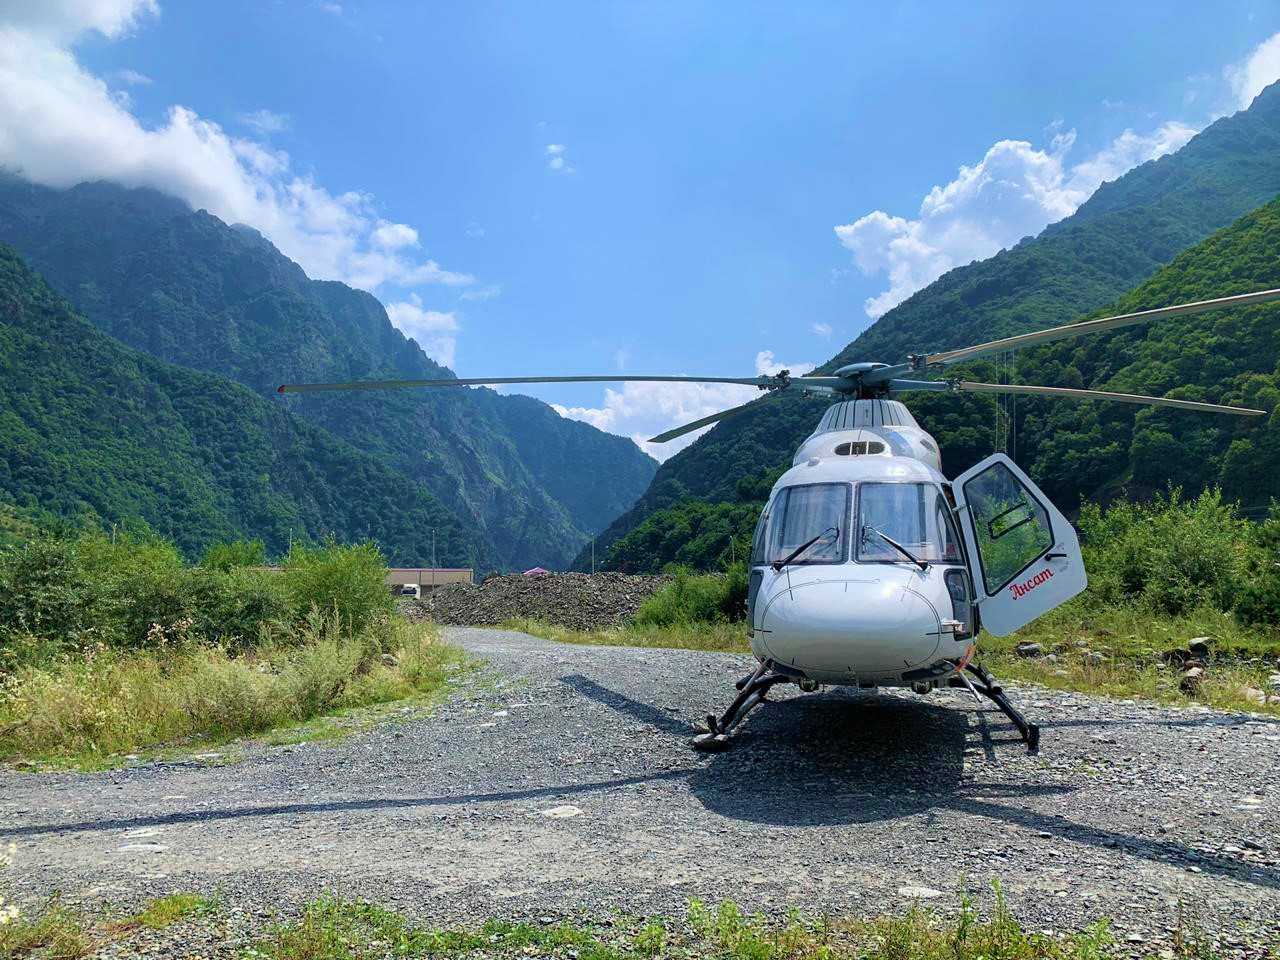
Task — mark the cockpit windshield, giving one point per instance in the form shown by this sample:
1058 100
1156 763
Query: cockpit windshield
916 515
799 514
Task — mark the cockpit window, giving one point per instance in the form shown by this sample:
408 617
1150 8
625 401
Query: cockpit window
916 515
798 514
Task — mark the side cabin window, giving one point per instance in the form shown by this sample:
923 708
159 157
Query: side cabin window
859 448
916 515
801 514
757 540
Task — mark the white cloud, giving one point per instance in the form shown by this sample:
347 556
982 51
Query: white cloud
264 121
481 293
1013 192
131 78
60 125
435 332
1260 69
557 161
393 236
821 329
474 230
61 20
641 410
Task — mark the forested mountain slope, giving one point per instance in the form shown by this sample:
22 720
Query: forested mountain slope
187 288
1118 238
89 427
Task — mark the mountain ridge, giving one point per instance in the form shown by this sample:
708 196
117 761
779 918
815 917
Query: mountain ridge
93 428
187 288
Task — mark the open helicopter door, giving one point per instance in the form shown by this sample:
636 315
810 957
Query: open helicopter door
1024 556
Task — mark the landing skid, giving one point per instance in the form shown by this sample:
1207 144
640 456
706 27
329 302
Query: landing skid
714 734
989 688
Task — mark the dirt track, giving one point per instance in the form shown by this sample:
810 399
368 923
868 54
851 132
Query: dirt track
830 802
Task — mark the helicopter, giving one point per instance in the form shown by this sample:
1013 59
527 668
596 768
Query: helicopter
868 567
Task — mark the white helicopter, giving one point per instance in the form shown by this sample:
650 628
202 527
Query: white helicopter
868 567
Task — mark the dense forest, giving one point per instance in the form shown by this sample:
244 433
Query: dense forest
1118 238
94 432
187 288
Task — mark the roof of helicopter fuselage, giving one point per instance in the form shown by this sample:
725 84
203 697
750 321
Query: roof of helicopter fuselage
855 469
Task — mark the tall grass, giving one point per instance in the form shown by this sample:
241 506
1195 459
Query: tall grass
124 701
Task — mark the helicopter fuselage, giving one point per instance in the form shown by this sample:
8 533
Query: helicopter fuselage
885 594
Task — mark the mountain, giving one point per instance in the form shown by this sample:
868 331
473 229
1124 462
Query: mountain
187 288
90 427
1125 232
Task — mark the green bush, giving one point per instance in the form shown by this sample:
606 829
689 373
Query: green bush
696 598
348 579
86 590
1173 554
237 553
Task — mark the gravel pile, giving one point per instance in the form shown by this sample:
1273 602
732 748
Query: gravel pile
578 601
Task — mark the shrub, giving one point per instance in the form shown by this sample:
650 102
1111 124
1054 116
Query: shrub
695 598
1174 554
237 553
348 579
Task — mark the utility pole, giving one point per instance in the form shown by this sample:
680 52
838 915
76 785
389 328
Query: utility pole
593 554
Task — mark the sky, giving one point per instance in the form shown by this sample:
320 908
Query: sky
720 188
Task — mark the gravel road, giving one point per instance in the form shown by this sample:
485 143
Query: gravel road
561 779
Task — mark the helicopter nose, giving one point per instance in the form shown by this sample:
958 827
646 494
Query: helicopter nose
874 629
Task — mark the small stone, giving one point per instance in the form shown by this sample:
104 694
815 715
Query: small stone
388 660
919 893
1253 695
562 812
1028 649
1135 938
1094 659
143 848
1200 646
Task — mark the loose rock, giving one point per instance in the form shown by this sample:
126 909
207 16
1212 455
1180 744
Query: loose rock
578 601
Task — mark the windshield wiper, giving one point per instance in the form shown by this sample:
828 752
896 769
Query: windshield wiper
789 558
923 565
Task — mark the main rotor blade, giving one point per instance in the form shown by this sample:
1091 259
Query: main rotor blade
714 418
1096 326
1026 388
484 381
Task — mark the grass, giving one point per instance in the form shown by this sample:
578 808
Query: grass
88 711
336 929
1131 638
166 911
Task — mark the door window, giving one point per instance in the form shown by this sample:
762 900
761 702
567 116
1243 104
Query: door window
1011 527
801 513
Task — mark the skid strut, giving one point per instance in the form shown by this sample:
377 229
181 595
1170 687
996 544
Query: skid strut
989 688
714 734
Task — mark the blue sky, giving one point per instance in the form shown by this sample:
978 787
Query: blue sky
644 187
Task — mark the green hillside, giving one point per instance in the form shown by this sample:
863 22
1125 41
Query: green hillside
1121 236
90 428
185 287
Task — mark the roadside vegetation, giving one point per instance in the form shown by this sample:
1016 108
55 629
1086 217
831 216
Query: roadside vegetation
112 644
333 928
1161 574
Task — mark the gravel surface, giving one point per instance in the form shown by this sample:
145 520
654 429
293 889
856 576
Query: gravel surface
562 780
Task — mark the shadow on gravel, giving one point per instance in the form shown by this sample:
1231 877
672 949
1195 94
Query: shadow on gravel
848 758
